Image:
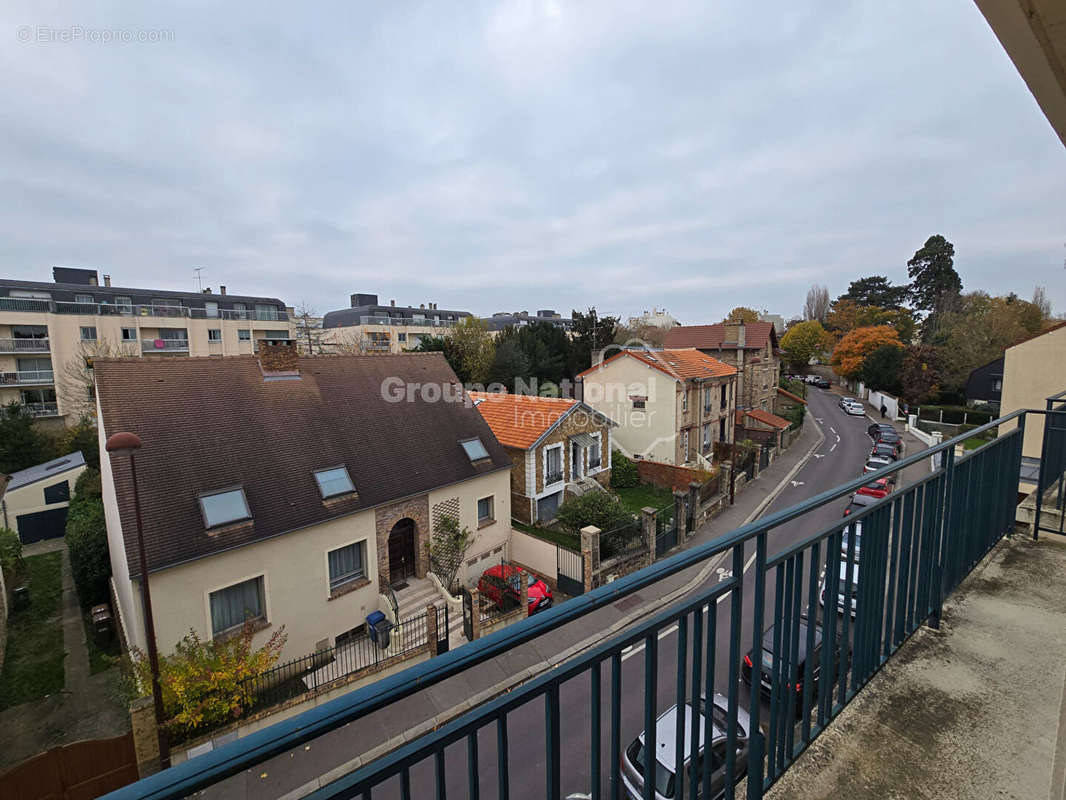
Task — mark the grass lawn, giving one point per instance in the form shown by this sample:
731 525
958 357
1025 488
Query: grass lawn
33 664
974 442
550 535
645 494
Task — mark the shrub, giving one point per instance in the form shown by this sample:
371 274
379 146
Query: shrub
602 509
795 415
10 550
447 549
88 484
624 474
205 684
86 534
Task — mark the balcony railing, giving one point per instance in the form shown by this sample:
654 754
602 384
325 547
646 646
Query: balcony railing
164 345
27 376
407 322
42 409
917 545
138 310
553 477
24 345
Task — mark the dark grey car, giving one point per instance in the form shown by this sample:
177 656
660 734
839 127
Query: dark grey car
666 755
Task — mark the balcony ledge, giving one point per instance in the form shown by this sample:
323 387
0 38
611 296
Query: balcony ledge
972 710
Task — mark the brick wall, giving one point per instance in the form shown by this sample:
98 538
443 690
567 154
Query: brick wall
578 422
385 517
667 476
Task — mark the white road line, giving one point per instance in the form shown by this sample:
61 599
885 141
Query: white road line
838 438
834 430
834 447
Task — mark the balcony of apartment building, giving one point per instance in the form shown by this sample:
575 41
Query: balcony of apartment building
28 371
407 322
19 339
916 648
164 341
158 308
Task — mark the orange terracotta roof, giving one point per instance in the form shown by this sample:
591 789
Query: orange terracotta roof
518 420
791 396
680 364
765 417
713 337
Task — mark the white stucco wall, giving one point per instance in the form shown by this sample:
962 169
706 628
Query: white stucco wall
1032 372
490 541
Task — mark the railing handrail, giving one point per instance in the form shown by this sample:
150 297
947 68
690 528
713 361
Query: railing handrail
283 736
41 345
35 304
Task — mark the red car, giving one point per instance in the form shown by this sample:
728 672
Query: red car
879 488
502 585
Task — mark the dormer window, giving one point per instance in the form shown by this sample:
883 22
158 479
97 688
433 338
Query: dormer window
332 482
475 450
222 508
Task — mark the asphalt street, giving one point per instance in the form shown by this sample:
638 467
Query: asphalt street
839 458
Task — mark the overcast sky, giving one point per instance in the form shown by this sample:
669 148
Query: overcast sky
500 156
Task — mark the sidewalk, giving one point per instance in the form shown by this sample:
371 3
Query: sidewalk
293 775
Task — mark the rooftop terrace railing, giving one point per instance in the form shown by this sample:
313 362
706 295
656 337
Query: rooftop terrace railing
915 546
265 314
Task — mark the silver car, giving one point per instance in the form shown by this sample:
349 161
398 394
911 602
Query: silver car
666 757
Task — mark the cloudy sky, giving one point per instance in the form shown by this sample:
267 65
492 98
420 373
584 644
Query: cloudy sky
520 155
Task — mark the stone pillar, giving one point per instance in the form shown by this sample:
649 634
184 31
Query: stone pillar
647 519
475 615
145 738
680 517
586 570
590 540
694 504
431 629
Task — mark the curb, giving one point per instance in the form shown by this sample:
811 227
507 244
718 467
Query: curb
521 677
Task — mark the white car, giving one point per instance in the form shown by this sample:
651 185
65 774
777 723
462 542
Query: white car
842 588
854 408
875 463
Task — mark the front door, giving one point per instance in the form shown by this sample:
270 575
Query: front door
402 552
576 472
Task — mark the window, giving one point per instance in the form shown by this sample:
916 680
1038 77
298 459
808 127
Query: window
475 450
594 452
174 334
211 309
275 334
214 334
84 298
706 437
129 334
230 607
402 337
223 507
266 312
684 397
240 311
484 510
57 493
125 304
639 402
554 466
244 335
707 400
88 333
332 482
684 444
997 385
346 564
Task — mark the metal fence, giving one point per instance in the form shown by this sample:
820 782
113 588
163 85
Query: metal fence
621 541
1050 516
665 530
915 547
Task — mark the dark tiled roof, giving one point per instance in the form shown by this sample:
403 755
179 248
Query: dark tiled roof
214 423
61 291
713 337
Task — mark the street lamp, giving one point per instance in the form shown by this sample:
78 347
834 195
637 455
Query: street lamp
131 442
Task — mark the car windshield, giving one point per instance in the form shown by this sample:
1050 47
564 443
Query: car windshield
768 643
664 778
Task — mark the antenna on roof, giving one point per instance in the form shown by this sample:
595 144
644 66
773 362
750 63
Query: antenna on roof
199 282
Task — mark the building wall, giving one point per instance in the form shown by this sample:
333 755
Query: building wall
649 433
1032 372
29 499
67 351
379 338
756 382
490 540
692 418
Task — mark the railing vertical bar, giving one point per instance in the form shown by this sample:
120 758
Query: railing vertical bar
405 783
616 726
782 655
697 663
812 621
757 745
473 775
502 762
845 626
651 688
894 571
829 630
792 697
439 774
594 737
906 580
736 599
708 689
775 672
551 714
680 706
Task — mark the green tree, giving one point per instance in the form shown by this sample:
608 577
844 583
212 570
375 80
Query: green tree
448 548
742 314
21 444
876 290
935 284
803 341
602 509
548 349
590 332
82 437
10 550
474 347
881 369
86 535
443 345
624 473
920 374
510 362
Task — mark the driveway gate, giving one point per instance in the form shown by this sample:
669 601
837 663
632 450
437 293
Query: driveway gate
570 571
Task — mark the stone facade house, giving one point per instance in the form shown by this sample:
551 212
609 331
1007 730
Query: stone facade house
670 405
554 444
288 490
750 347
760 426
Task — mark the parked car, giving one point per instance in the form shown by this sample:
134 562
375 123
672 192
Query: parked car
874 431
855 408
666 757
882 487
885 450
502 585
808 667
890 437
858 502
846 536
821 383
841 587
874 463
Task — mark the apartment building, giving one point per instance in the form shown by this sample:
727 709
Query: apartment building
370 327
51 332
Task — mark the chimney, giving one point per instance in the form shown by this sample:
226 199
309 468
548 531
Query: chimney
422 306
107 281
392 303
207 290
222 290
278 358
741 337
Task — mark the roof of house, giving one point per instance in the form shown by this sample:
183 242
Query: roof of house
217 423
790 396
520 420
49 469
765 417
680 364
715 337
1036 335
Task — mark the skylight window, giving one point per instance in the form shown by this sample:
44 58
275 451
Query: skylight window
475 450
332 482
224 507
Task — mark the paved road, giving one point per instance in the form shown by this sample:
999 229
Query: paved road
838 459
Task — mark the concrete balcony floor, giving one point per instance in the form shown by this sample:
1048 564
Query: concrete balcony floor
974 710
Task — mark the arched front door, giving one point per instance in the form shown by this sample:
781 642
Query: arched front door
402 552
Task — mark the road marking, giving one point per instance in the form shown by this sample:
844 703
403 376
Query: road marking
819 455
796 483
724 574
818 420
834 447
834 430
838 437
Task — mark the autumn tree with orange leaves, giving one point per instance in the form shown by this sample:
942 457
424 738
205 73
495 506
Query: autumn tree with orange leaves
852 350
